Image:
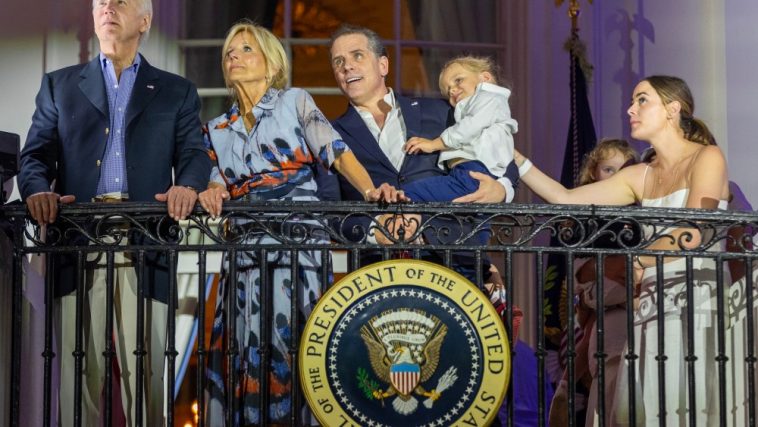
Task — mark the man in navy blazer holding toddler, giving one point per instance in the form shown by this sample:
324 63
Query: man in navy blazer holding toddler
377 124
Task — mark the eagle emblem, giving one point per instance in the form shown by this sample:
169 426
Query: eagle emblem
404 351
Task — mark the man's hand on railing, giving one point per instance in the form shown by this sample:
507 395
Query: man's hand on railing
213 198
43 207
387 193
180 199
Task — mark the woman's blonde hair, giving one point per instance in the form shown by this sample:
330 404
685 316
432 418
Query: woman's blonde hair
277 64
475 64
670 89
602 151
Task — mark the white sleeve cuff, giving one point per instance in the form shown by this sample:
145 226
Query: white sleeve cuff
509 190
525 167
450 139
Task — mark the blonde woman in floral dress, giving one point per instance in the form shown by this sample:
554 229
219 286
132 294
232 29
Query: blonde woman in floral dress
265 148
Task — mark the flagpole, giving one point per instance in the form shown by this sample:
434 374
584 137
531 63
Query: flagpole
558 282
570 327
577 56
573 12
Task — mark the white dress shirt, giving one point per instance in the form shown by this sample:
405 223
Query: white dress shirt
391 137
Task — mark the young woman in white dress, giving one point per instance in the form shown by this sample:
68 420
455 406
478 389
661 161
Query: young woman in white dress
688 171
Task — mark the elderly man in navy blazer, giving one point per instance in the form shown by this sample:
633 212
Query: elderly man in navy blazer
110 130
378 122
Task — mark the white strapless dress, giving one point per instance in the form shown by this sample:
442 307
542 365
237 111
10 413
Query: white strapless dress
673 381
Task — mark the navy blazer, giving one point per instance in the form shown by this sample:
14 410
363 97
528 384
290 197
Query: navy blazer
68 136
423 117
70 127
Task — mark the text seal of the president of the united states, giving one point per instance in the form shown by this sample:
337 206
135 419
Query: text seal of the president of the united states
404 342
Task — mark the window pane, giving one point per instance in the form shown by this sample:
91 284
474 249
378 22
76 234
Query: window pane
450 20
213 106
319 18
311 67
332 106
203 66
211 19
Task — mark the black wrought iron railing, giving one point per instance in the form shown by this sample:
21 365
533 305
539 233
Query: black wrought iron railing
516 238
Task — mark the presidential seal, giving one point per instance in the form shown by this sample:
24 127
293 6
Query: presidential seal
404 342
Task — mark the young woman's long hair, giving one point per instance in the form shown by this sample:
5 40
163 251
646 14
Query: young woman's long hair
671 88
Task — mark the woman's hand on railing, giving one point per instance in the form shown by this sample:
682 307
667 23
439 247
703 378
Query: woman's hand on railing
213 198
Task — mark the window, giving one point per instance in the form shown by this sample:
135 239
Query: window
425 32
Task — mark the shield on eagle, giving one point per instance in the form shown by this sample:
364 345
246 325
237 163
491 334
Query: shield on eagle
405 376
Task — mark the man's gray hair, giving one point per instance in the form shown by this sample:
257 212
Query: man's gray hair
375 43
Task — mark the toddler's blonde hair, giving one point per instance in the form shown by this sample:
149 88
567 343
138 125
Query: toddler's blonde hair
475 64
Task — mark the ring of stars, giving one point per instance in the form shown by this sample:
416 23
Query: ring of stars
443 304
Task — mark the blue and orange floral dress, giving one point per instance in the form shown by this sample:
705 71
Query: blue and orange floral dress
273 161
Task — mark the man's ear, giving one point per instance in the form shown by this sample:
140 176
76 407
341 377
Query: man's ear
147 22
384 66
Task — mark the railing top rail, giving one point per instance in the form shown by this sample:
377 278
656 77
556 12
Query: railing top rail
511 209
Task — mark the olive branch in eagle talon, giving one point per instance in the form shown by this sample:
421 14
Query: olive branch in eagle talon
367 386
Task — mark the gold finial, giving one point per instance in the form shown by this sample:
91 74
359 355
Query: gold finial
573 12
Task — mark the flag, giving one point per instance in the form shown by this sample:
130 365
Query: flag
580 141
